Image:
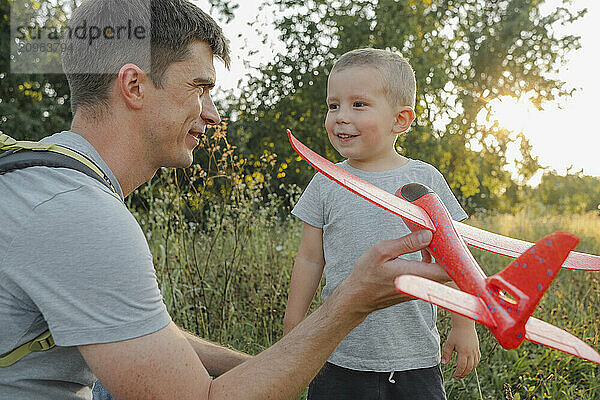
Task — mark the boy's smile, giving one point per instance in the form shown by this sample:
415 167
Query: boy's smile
361 123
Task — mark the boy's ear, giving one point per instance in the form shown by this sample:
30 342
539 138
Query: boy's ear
404 118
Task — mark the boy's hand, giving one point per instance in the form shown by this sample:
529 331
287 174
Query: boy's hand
464 341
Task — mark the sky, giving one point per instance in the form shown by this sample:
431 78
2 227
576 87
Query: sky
565 134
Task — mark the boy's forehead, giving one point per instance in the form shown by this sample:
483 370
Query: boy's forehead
356 80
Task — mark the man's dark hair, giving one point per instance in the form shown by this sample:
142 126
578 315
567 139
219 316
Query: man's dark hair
92 65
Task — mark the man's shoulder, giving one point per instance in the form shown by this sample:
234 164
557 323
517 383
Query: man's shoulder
38 197
78 199
40 185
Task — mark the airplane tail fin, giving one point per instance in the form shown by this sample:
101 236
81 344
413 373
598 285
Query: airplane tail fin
521 285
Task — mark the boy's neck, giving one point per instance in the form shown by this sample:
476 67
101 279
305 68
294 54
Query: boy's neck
379 165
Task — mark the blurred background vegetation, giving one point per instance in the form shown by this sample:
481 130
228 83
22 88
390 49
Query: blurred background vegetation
463 52
221 232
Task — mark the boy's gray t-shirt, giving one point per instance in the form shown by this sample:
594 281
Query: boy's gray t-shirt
74 259
400 337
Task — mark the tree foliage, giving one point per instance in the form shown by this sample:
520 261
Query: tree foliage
573 193
31 105
225 9
463 52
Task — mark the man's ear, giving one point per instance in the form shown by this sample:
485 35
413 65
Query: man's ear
404 118
132 82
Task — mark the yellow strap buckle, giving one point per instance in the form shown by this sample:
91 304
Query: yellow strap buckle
42 342
8 143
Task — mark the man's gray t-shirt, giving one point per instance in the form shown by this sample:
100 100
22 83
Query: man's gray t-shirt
74 259
397 338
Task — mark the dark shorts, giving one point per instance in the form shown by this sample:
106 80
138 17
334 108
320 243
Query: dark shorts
334 382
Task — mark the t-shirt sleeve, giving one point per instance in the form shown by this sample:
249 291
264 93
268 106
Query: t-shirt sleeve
441 188
91 272
310 205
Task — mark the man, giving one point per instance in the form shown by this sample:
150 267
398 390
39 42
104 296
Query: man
74 260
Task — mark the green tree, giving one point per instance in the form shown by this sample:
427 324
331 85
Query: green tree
464 53
573 193
31 105
225 9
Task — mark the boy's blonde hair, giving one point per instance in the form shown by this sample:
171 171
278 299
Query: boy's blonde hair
399 78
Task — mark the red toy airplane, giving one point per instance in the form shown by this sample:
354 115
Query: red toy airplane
481 298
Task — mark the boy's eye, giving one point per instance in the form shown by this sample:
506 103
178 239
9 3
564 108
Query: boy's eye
358 104
333 106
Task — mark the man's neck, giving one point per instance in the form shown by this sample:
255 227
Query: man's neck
119 148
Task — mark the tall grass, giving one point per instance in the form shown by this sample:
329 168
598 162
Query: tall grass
224 245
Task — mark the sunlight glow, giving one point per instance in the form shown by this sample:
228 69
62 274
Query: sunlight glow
511 113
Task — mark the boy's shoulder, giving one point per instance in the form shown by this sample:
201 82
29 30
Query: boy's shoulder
414 163
413 171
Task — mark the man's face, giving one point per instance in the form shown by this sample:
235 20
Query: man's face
179 112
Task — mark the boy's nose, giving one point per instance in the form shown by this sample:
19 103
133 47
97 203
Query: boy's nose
341 117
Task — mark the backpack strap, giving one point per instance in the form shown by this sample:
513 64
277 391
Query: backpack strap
41 343
25 154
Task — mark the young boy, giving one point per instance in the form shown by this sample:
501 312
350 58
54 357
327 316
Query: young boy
394 353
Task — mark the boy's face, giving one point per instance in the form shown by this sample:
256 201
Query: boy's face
361 123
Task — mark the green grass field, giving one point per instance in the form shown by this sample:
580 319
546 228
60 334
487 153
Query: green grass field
224 268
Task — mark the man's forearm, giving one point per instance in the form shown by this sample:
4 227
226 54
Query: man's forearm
285 369
217 359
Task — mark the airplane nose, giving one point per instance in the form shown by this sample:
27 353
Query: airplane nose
413 191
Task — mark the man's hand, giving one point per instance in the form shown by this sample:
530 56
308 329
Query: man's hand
371 283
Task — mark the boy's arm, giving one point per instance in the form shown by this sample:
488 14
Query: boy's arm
306 275
463 340
216 359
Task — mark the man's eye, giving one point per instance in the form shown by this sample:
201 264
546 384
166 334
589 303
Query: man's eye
200 90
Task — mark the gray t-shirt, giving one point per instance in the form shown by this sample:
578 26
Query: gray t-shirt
74 259
397 338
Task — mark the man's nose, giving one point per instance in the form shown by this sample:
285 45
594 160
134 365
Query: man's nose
210 114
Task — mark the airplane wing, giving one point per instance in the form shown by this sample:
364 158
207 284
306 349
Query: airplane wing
538 331
473 236
451 299
362 188
511 247
472 307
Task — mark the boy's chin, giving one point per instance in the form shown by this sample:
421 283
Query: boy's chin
341 152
